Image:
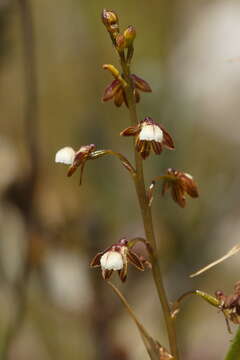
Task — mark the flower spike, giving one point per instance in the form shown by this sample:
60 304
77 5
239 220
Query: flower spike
149 135
116 258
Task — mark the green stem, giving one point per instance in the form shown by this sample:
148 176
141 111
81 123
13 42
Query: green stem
234 350
147 219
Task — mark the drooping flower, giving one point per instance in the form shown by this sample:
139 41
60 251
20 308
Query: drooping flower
115 90
180 183
69 156
116 258
149 135
230 304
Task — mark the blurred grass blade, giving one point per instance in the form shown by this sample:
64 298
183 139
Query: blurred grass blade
230 253
234 350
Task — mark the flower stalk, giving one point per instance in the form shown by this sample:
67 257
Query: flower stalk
147 216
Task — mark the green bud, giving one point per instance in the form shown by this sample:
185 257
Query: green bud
129 35
120 42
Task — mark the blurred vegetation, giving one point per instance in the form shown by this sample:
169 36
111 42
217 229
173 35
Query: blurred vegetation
182 49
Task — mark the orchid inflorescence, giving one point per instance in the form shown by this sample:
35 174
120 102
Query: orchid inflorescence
150 137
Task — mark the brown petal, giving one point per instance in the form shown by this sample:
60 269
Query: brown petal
111 90
192 191
96 260
143 147
72 170
136 95
134 259
106 274
141 84
178 195
165 187
118 98
123 272
130 131
167 139
191 187
157 147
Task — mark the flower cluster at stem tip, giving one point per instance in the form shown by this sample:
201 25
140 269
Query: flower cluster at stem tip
150 136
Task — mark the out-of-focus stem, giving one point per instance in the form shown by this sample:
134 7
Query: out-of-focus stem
147 218
31 140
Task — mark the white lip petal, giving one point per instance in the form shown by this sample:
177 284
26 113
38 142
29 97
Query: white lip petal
111 260
188 176
65 155
151 132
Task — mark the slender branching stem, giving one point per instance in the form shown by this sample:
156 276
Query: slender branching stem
147 218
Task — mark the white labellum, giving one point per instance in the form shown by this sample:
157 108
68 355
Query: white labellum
111 260
151 132
65 155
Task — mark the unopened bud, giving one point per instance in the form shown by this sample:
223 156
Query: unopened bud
110 20
120 42
129 35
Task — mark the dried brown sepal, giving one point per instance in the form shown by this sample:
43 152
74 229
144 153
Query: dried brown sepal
140 84
180 183
95 262
167 139
111 90
130 131
106 274
123 273
135 260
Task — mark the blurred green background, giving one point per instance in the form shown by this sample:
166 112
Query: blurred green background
184 50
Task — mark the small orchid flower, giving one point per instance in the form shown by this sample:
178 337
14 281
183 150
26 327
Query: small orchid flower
149 135
181 183
69 156
115 90
116 258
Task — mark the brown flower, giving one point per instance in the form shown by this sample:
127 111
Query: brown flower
230 304
69 156
149 135
115 90
116 258
181 183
